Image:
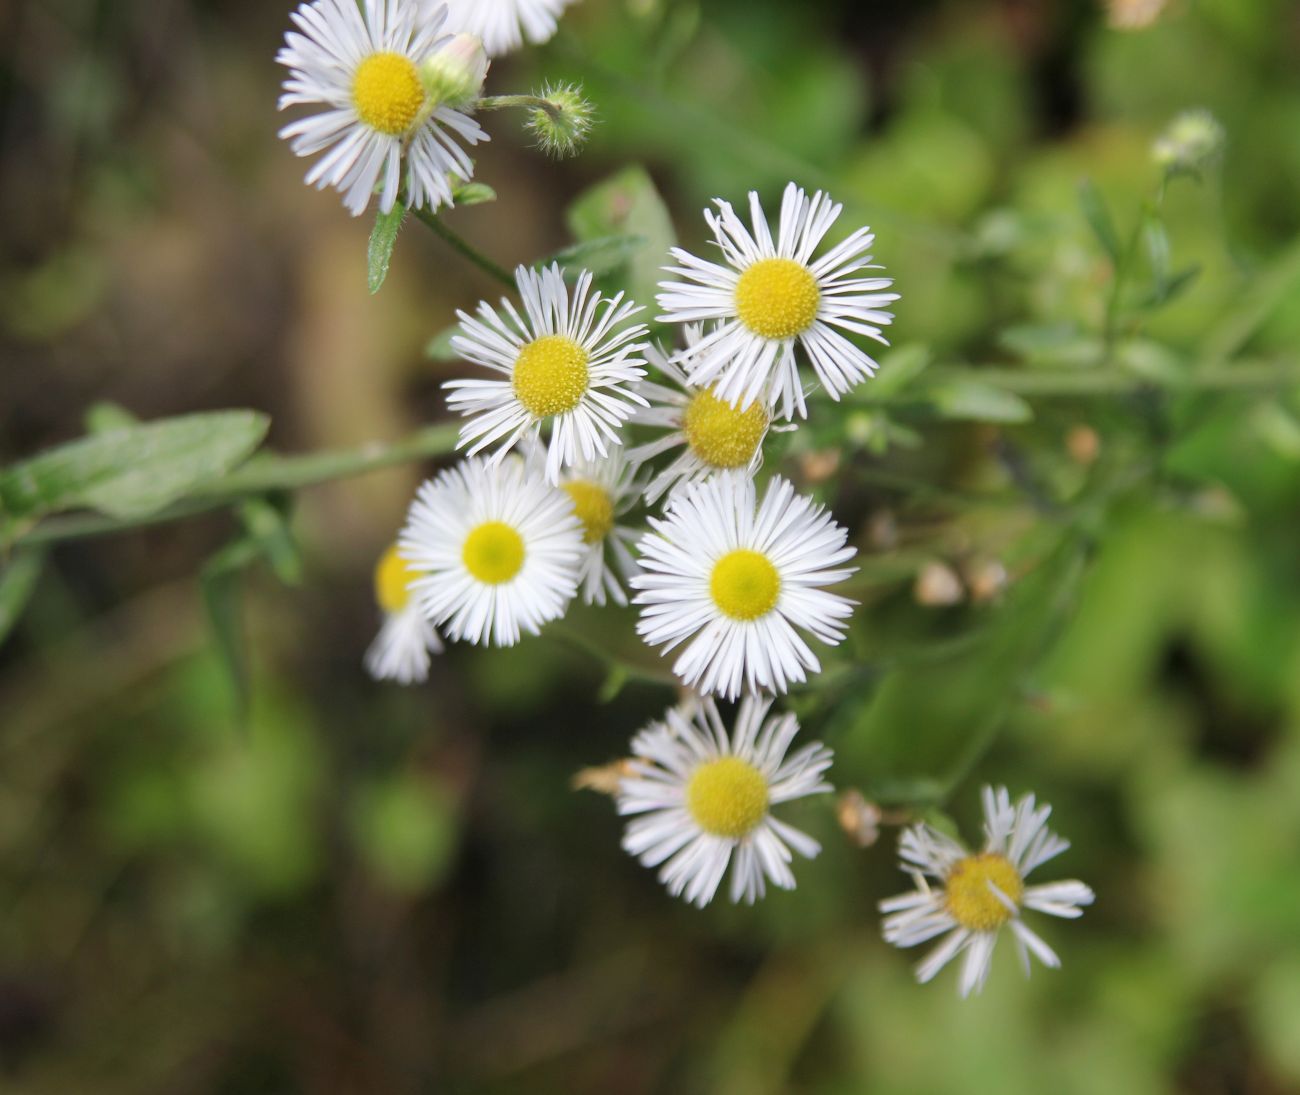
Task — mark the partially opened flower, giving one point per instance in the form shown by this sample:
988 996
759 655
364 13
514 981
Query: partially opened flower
503 24
362 64
704 799
568 367
771 296
401 650
497 548
715 437
979 893
738 582
602 490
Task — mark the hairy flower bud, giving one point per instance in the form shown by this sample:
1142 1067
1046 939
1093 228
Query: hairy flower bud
562 124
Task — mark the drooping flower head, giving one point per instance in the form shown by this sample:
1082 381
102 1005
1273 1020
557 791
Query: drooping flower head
704 797
568 366
497 548
980 893
738 582
602 491
503 24
401 650
716 438
772 296
363 65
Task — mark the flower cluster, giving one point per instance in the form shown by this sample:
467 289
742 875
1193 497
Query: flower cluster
603 465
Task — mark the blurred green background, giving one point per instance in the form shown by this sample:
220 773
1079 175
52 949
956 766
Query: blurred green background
1081 579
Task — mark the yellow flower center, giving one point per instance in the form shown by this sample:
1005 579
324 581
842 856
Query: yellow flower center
721 435
393 578
493 552
387 93
727 797
777 298
550 375
969 899
745 584
594 507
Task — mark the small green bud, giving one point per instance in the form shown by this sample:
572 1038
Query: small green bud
1189 144
563 124
454 75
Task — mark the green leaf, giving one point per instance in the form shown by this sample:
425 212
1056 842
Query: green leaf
1058 344
898 368
971 399
439 348
17 583
473 193
628 205
132 471
1098 218
383 238
106 417
268 526
220 581
602 256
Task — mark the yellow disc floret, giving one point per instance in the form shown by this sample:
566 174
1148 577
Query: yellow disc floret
727 797
969 899
745 585
777 298
393 578
721 435
493 552
550 375
594 507
387 93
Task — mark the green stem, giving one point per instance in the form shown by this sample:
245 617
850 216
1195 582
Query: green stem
530 102
459 244
1237 376
261 475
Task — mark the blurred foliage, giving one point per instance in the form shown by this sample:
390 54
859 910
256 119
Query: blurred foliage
1090 423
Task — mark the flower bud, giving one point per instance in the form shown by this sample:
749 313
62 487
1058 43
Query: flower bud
1189 143
454 75
561 125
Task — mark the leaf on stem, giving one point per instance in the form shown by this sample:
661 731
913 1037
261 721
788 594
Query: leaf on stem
1099 219
220 581
628 206
17 583
383 238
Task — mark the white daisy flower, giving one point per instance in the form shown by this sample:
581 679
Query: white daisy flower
401 650
602 491
706 796
772 295
737 581
715 436
979 893
498 549
502 24
363 65
570 365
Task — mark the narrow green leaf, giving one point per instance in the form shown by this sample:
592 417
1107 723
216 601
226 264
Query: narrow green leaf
17 583
898 368
268 526
627 205
473 193
605 255
220 581
439 348
383 238
979 402
106 417
134 470
1098 218
1061 345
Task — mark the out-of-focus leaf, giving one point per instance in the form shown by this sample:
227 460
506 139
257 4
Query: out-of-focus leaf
106 417
439 348
473 193
627 205
1061 345
17 583
383 238
1152 361
135 470
268 525
220 581
898 368
405 829
601 256
969 399
1098 218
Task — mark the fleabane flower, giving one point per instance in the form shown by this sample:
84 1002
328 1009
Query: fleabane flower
771 296
401 650
363 65
716 437
980 893
704 798
497 548
568 366
503 24
602 491
737 582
